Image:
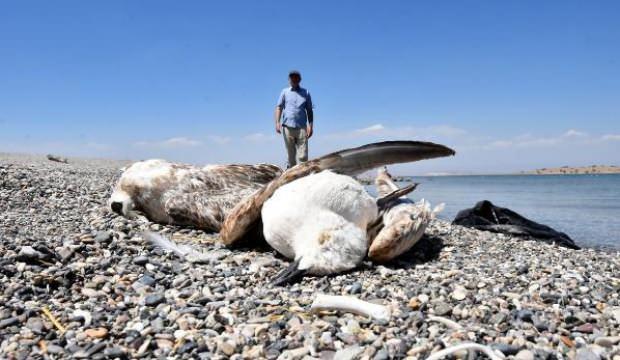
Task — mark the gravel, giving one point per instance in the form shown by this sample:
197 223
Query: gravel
115 297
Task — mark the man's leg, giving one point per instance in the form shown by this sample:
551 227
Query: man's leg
302 146
289 143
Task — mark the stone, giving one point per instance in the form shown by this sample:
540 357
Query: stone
55 349
226 347
356 288
147 280
27 253
97 333
140 260
294 354
103 236
382 354
442 309
8 322
164 344
607 341
507 349
524 355
586 328
459 293
349 353
525 315
414 303
586 354
154 299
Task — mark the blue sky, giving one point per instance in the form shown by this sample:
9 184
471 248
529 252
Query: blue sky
510 85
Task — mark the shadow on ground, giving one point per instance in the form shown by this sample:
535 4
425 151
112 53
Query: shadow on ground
425 250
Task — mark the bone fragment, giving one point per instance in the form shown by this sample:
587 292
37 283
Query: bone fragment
447 322
350 304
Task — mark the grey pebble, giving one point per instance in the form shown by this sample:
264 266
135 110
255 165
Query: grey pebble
586 354
442 309
154 299
356 288
140 260
9 322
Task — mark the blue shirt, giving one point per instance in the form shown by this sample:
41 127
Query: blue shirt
294 104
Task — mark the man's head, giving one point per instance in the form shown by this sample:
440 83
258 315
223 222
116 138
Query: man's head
294 78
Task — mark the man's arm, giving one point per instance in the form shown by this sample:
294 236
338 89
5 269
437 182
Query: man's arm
277 116
310 127
310 113
278 113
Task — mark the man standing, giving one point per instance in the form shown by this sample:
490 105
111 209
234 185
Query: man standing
295 109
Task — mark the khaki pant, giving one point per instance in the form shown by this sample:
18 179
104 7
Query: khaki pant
296 142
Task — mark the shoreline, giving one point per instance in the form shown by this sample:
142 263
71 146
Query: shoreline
113 293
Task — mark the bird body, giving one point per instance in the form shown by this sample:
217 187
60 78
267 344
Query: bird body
320 221
183 194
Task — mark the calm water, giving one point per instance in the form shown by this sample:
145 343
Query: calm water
586 207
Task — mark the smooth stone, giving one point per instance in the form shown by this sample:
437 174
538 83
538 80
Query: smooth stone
498 318
607 341
442 309
65 254
382 354
395 348
586 328
9 322
35 324
459 294
187 347
29 253
147 280
349 353
154 299
55 349
140 260
255 352
586 354
356 288
97 333
226 347
524 355
294 354
525 315
91 293
103 236
507 349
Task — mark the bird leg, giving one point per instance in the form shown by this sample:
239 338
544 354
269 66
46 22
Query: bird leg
289 275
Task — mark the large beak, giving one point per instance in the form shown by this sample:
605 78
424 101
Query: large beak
290 275
384 201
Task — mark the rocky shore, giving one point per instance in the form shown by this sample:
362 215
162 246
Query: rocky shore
79 282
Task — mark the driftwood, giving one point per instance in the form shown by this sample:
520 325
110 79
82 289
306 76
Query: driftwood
59 159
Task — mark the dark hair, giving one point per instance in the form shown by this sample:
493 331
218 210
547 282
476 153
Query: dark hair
294 73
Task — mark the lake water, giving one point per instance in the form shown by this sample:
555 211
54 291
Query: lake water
586 207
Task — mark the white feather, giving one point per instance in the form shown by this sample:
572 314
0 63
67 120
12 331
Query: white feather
186 252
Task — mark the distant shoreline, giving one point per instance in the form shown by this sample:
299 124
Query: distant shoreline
568 170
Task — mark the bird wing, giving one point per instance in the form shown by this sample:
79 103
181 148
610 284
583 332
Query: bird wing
203 210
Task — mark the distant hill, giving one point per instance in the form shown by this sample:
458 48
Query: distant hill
593 169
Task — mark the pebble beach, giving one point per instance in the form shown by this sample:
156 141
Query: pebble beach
77 281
